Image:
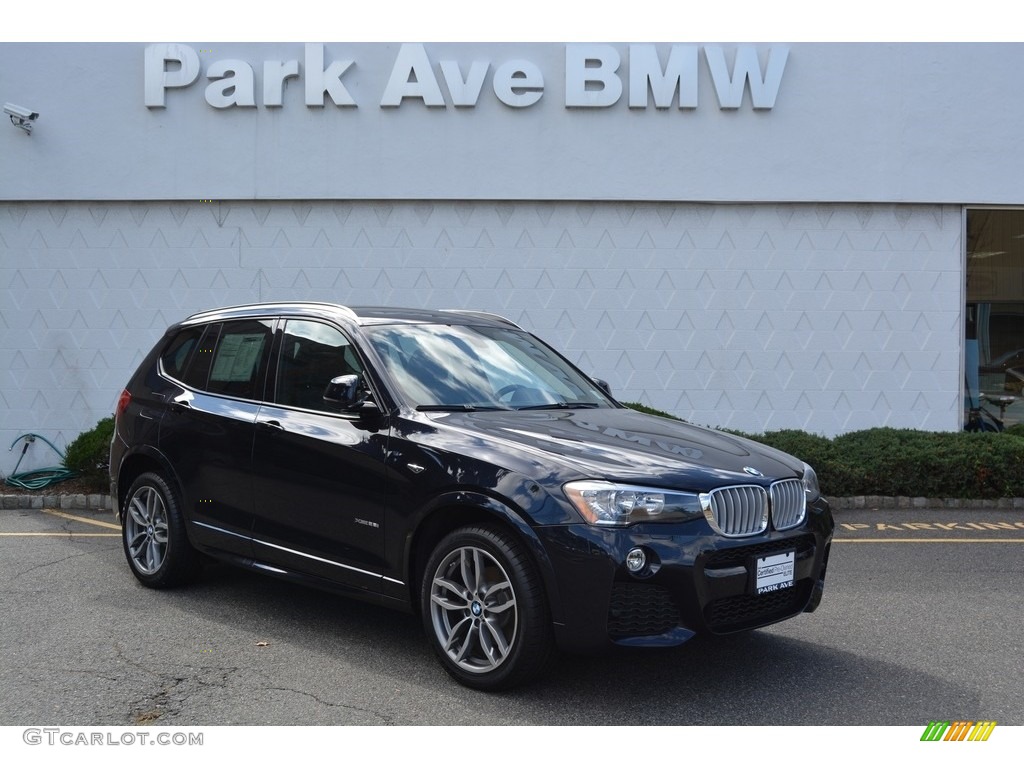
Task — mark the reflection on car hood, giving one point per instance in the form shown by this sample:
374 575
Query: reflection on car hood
626 445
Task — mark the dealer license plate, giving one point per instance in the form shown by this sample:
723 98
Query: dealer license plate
774 572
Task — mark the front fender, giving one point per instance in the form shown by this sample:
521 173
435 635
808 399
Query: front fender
455 508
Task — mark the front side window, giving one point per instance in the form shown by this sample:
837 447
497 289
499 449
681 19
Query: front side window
312 353
438 366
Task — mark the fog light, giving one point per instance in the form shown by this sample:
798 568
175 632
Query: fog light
636 560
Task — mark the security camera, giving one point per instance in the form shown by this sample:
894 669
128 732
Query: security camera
25 114
21 117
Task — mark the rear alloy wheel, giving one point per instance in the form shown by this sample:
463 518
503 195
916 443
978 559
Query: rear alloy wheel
484 609
153 533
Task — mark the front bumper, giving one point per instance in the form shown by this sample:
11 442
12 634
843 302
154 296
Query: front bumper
696 581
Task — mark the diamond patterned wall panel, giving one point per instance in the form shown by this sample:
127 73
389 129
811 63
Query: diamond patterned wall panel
828 318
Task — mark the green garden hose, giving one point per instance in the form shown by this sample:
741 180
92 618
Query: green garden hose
37 478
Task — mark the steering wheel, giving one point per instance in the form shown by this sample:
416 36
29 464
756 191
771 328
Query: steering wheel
509 391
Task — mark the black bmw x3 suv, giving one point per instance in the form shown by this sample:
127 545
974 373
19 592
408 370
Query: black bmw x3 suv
451 464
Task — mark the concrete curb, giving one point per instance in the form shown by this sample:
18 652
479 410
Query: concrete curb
80 501
103 501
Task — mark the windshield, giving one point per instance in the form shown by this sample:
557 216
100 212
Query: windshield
451 367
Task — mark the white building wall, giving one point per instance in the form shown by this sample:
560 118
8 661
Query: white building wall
824 317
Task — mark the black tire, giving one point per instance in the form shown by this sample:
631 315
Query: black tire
484 609
153 534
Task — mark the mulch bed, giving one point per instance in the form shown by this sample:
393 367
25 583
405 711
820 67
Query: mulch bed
72 486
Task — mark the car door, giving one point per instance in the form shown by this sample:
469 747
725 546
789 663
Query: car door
207 431
318 473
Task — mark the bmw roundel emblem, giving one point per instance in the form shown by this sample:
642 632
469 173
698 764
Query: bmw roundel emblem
752 471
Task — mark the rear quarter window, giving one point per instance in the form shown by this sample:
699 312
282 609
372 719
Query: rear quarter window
178 354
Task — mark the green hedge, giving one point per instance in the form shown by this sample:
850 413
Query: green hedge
907 462
89 454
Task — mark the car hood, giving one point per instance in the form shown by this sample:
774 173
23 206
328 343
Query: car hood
628 446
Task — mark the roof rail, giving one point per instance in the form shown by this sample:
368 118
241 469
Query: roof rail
481 314
276 306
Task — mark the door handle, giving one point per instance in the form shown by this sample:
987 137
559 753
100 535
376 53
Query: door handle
270 424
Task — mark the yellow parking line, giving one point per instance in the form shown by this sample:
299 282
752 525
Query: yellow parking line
898 540
87 520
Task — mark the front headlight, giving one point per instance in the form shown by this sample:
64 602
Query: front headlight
603 503
811 488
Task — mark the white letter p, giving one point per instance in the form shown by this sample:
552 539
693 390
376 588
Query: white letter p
159 78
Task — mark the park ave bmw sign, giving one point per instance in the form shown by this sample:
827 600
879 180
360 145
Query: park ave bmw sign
596 76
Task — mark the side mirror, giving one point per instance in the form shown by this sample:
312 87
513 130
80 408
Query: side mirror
343 391
349 395
603 385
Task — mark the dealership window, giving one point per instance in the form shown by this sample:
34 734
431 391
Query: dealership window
994 319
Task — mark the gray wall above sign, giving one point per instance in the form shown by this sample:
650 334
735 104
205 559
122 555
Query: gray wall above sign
766 122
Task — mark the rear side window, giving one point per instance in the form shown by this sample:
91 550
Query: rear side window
223 358
239 363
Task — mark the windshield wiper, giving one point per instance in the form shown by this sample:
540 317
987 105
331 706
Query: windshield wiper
560 404
462 407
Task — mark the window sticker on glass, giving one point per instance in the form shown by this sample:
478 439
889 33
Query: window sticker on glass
237 356
775 572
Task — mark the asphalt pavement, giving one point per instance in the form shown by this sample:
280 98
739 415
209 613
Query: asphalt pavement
921 621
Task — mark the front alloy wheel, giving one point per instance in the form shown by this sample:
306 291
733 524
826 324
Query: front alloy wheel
473 608
484 609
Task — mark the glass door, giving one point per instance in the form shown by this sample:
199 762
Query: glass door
994 319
